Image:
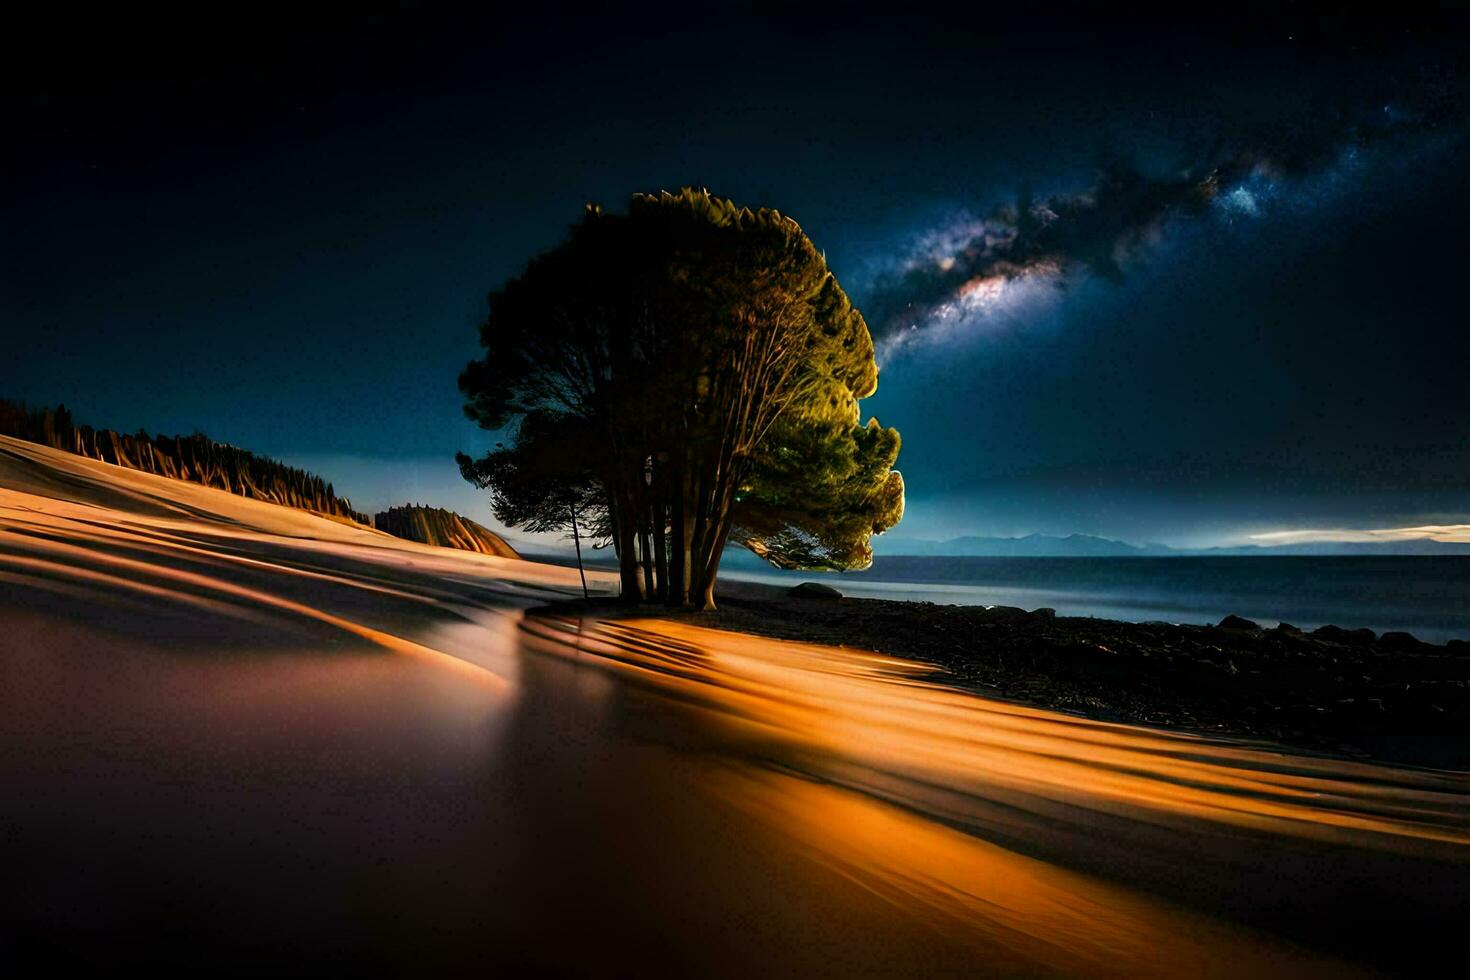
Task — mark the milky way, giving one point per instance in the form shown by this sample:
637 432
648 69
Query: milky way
972 267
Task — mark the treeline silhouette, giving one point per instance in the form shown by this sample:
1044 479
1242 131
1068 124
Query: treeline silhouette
445 528
195 458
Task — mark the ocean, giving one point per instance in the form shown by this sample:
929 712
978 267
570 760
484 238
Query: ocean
1426 596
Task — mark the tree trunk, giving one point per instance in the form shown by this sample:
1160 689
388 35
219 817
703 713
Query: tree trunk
645 545
660 555
678 591
577 543
715 537
712 568
686 558
626 531
697 516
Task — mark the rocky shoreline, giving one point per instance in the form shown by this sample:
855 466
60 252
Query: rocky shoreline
1338 690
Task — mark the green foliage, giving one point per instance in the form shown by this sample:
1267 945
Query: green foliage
686 365
545 478
817 495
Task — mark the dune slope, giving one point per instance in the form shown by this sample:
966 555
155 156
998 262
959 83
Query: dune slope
234 730
445 528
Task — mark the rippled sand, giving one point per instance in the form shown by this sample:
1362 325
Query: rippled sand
234 731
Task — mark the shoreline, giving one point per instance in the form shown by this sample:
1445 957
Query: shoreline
1340 692
1425 596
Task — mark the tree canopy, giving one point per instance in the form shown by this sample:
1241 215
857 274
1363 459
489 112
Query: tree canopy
676 374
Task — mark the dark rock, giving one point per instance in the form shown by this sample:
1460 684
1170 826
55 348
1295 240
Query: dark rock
813 590
1016 616
1397 638
1286 628
1339 635
1238 623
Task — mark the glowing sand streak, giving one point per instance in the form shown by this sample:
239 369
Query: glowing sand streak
823 704
978 893
254 598
163 544
69 487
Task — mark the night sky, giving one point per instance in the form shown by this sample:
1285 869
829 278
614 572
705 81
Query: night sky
1155 280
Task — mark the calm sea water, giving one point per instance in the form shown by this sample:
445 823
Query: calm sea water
1429 597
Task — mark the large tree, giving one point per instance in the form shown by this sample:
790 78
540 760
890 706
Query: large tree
696 367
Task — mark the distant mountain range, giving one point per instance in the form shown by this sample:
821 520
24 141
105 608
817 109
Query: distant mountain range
1091 546
1030 546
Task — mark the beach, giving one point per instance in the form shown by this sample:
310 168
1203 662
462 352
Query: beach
248 734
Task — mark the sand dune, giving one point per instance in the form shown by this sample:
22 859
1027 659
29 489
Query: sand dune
445 528
31 474
229 728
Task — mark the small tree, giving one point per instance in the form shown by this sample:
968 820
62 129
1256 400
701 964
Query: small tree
695 364
542 485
